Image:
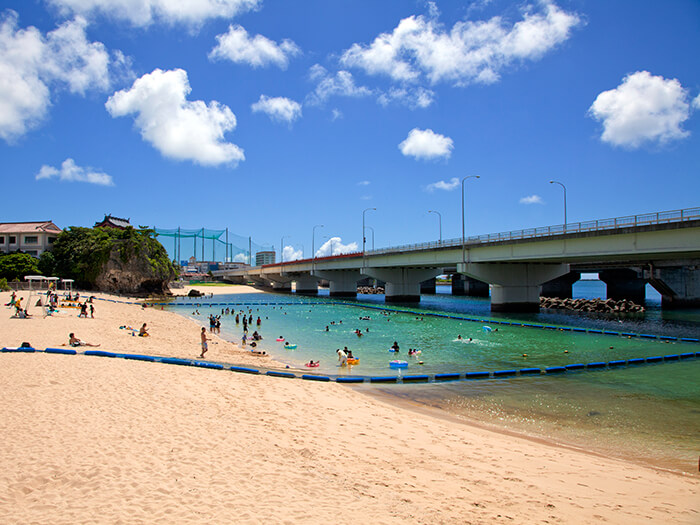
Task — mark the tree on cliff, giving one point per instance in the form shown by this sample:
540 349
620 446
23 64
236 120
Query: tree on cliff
125 261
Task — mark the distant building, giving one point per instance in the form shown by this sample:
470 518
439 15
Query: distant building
113 222
233 265
264 258
33 238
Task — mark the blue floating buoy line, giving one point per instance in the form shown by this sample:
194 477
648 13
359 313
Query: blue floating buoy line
404 379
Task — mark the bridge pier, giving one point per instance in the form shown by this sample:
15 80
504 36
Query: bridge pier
464 285
515 287
624 283
402 284
561 287
428 286
343 283
280 283
306 284
679 287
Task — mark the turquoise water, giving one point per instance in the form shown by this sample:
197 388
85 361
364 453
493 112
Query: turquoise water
651 413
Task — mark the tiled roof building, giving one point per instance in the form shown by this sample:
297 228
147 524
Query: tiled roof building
113 222
33 238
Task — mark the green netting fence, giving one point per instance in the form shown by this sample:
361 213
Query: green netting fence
205 244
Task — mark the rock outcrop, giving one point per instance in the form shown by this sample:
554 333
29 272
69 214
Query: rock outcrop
138 275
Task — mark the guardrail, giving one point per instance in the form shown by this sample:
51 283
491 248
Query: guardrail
629 221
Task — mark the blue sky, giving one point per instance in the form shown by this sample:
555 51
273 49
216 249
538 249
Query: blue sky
269 117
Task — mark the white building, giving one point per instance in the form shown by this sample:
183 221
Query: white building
267 257
33 238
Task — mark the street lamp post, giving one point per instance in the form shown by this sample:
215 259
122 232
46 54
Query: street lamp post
282 248
564 187
364 239
330 238
440 222
313 244
372 229
463 239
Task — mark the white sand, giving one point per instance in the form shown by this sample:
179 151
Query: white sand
91 439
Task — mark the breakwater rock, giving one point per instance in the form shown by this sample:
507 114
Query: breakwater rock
370 289
622 306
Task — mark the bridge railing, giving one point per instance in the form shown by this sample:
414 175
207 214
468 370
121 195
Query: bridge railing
662 217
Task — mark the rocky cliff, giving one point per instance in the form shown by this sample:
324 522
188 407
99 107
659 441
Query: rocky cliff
137 275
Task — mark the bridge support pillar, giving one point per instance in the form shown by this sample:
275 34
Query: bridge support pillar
402 284
514 287
463 285
280 283
306 284
343 283
624 283
679 287
561 287
428 286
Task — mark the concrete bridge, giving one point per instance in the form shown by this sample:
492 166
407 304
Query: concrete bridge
660 248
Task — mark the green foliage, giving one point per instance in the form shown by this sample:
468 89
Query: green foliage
3 285
81 253
47 264
14 266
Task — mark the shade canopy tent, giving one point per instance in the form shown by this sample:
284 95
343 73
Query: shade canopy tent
32 278
67 284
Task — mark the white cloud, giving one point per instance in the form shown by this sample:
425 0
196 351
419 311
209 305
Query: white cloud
180 129
146 12
32 65
278 108
450 185
290 254
644 108
336 114
412 97
363 183
70 172
470 52
340 84
426 144
696 102
532 199
240 257
259 51
336 244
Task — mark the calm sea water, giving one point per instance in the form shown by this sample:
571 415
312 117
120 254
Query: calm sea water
650 413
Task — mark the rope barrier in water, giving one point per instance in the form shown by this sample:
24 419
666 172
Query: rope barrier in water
404 379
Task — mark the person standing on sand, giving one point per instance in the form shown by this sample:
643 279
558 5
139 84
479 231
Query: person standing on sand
204 338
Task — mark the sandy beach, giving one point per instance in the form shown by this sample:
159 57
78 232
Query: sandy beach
92 439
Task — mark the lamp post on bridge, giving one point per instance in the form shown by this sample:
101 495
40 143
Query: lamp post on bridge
364 239
313 246
564 188
440 222
282 248
370 228
463 239
330 238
